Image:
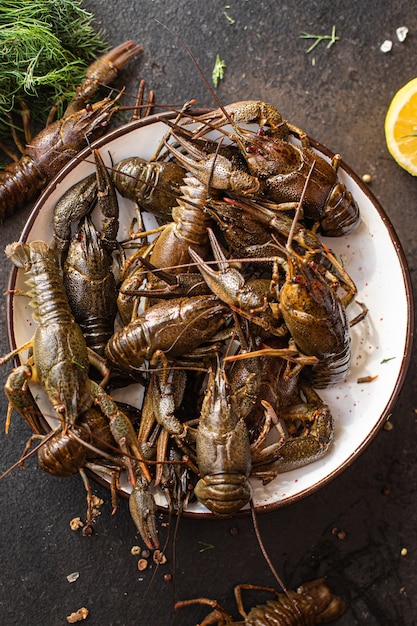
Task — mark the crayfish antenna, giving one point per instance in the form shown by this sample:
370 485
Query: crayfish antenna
200 71
299 207
268 560
26 455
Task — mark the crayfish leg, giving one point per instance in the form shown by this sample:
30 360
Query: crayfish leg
7 357
301 134
121 428
161 450
218 615
139 104
114 475
361 316
87 530
248 587
100 365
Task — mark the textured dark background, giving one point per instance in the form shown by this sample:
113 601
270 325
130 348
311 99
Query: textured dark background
341 100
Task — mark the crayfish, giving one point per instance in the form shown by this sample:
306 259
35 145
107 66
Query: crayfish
60 361
88 275
312 603
278 167
60 141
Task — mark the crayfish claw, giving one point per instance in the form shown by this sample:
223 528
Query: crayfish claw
142 508
115 59
102 72
246 112
212 169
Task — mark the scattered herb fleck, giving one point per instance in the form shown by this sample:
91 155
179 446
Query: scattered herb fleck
342 259
319 38
218 70
75 362
227 16
206 546
386 360
367 379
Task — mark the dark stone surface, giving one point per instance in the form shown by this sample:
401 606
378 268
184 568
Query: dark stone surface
341 100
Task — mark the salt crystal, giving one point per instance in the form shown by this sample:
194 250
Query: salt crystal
71 578
402 32
386 46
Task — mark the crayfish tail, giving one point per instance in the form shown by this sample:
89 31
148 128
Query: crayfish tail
19 183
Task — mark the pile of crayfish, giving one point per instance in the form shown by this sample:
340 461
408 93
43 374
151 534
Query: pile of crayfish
228 315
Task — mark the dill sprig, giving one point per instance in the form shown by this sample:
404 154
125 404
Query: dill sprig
331 39
218 70
45 48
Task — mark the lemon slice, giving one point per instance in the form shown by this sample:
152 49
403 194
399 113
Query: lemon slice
401 127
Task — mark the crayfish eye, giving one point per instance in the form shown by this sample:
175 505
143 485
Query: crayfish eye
297 279
88 108
261 132
79 236
313 265
251 149
168 484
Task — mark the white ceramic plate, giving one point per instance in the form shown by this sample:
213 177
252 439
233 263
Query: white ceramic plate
381 345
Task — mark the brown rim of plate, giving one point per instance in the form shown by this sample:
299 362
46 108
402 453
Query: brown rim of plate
125 129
